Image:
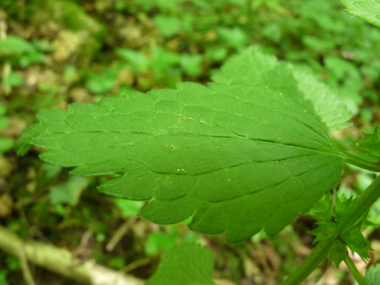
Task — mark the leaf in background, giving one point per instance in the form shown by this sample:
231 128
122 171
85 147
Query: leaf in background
238 158
162 59
372 275
216 53
128 208
322 210
51 170
15 46
100 83
369 10
158 241
137 59
168 25
3 110
31 58
252 67
191 64
68 193
188 264
317 44
3 277
344 77
370 143
164 63
234 37
6 143
13 79
328 106
166 4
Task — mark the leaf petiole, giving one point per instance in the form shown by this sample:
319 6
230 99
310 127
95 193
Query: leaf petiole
362 163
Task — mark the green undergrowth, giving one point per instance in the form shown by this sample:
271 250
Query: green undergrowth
50 58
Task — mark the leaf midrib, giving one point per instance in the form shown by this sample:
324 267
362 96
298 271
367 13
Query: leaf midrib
238 137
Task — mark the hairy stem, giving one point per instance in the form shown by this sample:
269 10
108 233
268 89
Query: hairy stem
354 271
350 219
311 262
360 206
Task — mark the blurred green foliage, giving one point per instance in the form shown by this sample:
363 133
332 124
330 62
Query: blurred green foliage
3 276
128 208
6 143
64 51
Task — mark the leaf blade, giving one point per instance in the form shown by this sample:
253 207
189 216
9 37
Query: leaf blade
369 10
238 158
253 67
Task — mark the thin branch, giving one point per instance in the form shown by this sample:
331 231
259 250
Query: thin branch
63 262
25 267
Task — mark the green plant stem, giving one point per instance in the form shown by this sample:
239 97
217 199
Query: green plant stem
311 262
361 162
360 206
354 271
350 219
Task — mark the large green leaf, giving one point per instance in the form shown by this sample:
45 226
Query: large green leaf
238 158
252 67
372 276
188 264
368 10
